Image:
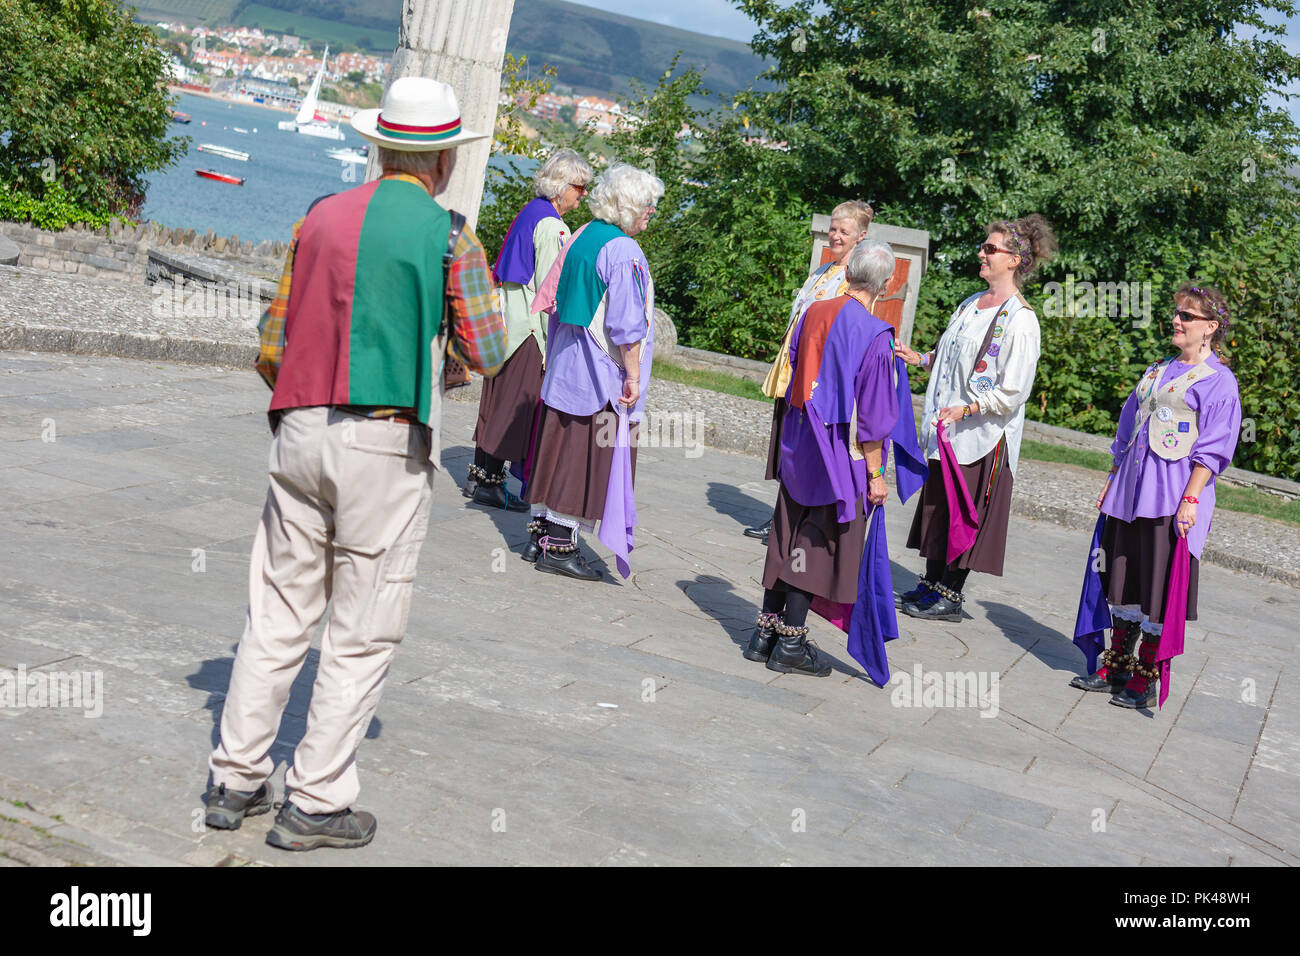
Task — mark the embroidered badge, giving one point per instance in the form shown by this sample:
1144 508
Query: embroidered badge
1164 413
997 331
981 365
994 349
1184 426
983 384
1169 439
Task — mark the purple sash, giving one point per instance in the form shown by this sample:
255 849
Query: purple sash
517 260
618 520
1093 616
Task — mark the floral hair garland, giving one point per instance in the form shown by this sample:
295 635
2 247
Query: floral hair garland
1222 312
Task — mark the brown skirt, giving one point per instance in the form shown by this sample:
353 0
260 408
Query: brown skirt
810 550
929 533
571 468
509 405
1137 556
774 443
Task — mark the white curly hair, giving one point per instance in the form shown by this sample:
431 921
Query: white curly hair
622 193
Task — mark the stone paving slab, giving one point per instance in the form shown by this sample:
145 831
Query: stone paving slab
534 720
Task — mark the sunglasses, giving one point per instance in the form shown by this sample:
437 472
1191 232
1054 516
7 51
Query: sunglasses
989 249
580 187
1186 316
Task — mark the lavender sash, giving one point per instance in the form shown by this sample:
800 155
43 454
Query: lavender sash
618 520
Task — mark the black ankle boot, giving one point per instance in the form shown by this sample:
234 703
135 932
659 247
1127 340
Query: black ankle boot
491 490
1140 691
793 653
1116 664
538 527
923 587
561 556
760 645
762 531
940 604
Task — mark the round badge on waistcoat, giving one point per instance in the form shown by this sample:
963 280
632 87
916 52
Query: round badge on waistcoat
997 331
1164 413
981 365
1169 439
983 384
994 349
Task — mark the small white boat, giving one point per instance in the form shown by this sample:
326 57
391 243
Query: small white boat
348 154
308 122
225 151
240 129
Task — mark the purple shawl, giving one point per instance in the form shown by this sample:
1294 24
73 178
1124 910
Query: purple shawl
517 260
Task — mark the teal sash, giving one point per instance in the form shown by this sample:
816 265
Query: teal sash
581 288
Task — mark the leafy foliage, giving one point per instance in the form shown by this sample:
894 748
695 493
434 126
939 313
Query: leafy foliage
1256 269
81 103
54 210
1145 132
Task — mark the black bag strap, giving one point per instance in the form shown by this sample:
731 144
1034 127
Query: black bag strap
453 237
448 257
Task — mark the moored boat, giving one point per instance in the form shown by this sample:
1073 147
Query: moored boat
225 151
220 177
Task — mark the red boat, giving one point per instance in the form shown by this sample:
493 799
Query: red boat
220 177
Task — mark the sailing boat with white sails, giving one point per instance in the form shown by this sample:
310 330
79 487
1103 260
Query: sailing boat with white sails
308 121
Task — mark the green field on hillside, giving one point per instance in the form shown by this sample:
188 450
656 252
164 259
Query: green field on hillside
334 32
221 11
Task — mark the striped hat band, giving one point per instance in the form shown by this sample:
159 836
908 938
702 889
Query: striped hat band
418 134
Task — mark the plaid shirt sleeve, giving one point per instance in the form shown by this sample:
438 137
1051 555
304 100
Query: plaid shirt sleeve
479 331
270 329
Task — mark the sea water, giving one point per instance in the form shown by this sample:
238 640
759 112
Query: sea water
284 173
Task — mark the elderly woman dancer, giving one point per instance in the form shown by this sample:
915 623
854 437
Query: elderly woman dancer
841 406
1177 431
599 351
849 222
508 408
982 373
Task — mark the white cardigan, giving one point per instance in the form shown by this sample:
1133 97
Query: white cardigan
1002 410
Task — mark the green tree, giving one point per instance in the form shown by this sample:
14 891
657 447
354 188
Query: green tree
1129 125
82 104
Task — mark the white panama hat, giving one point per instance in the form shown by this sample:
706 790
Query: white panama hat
418 114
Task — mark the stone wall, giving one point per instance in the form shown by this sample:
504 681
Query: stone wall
121 251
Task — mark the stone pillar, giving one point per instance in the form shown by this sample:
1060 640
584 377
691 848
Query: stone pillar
461 43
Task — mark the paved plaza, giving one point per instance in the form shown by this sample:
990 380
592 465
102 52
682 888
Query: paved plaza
531 719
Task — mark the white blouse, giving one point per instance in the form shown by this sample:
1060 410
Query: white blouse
1002 409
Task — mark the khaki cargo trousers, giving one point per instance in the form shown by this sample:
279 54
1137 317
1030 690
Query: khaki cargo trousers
345 516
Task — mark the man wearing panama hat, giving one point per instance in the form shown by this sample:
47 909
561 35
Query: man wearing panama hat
352 347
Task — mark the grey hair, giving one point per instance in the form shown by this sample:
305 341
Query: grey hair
870 264
622 193
410 160
563 168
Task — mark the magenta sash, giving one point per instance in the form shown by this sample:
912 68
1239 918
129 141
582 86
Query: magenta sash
963 522
1175 623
